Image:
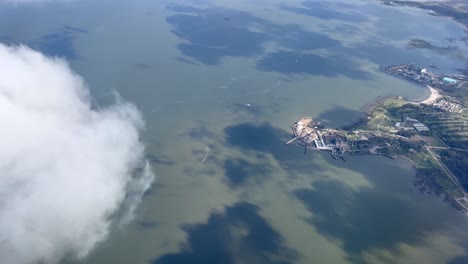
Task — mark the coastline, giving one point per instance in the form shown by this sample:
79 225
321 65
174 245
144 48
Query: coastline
432 97
368 108
430 10
428 178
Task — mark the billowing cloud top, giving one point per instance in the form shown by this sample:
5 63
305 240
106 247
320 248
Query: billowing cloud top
64 167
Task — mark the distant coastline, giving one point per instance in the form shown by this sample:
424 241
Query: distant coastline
454 10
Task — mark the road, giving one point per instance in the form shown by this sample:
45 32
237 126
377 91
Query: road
449 173
450 148
444 168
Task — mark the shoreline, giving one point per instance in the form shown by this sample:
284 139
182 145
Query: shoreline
432 176
435 94
368 108
419 172
430 11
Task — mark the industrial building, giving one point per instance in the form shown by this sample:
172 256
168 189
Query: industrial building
449 80
420 127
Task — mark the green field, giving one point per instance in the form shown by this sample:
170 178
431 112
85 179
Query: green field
452 128
457 162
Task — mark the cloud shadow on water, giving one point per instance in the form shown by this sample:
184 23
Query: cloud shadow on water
240 171
199 131
259 137
339 116
326 11
6 40
239 235
289 62
366 219
58 42
294 37
459 260
267 139
212 33
157 160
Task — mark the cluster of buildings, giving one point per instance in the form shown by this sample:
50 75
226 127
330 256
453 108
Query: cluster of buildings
311 135
308 134
305 131
411 124
448 106
423 76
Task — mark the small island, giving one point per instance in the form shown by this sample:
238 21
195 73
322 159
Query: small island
432 134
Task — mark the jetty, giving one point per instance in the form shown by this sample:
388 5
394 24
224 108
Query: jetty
308 134
304 131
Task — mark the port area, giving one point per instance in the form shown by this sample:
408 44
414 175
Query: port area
454 86
424 76
311 135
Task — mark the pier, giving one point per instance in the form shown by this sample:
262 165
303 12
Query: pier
307 134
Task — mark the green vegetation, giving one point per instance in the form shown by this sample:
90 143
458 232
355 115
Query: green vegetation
452 128
378 117
457 162
461 93
438 177
384 138
422 44
427 166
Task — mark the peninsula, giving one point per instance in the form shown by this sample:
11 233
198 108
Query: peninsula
432 134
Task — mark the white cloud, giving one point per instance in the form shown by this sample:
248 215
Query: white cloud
65 168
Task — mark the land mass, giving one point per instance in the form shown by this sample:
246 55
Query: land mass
455 9
432 133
